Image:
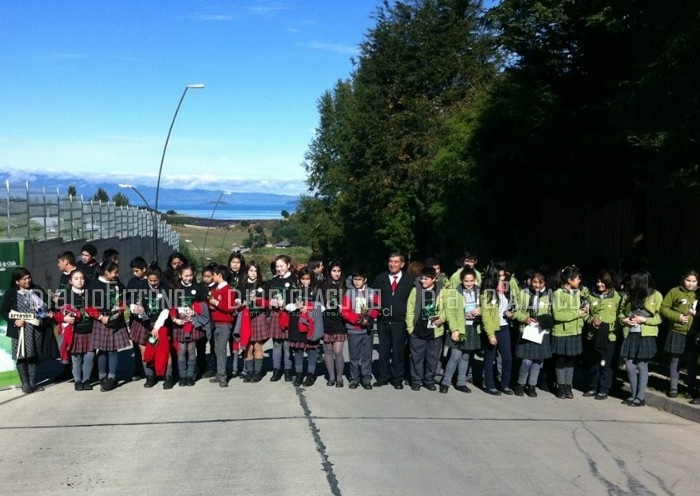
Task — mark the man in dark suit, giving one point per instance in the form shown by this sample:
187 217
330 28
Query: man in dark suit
394 287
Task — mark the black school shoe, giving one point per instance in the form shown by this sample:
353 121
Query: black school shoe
353 385
367 385
463 389
108 385
87 386
168 383
444 389
309 381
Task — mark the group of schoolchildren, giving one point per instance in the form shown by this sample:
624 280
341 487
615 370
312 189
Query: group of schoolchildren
437 324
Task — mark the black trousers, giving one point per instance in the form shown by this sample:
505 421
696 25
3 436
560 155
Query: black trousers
392 350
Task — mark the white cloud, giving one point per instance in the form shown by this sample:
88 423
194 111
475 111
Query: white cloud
214 17
332 47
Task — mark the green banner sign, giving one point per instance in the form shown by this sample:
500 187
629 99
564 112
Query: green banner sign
11 256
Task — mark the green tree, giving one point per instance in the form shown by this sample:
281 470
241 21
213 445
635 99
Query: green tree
101 196
120 199
370 165
285 214
72 191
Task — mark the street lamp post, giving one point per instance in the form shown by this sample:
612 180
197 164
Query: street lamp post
162 158
211 219
201 253
153 213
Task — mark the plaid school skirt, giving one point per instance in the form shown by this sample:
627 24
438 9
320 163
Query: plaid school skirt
533 351
567 345
82 343
107 339
471 343
259 328
304 345
138 332
636 347
179 334
336 337
675 343
275 331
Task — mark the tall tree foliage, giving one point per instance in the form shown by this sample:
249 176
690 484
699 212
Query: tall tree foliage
372 163
462 130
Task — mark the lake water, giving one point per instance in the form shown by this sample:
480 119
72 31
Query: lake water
251 211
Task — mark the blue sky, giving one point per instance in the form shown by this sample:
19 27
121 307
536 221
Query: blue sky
90 87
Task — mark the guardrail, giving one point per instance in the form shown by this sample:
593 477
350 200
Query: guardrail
41 215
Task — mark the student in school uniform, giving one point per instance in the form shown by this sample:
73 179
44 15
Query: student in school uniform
134 287
189 316
66 264
602 333
359 310
496 311
464 340
151 300
569 309
206 364
331 290
77 330
533 308
678 308
104 303
222 307
299 303
173 264
468 260
640 316
254 316
236 275
87 263
24 297
277 289
428 308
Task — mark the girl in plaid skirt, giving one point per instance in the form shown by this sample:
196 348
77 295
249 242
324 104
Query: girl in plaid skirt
533 308
189 299
77 330
678 308
568 309
253 294
640 316
276 292
104 303
335 334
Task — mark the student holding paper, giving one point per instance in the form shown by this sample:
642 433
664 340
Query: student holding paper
640 315
533 307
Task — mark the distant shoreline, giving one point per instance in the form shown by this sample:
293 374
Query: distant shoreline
207 222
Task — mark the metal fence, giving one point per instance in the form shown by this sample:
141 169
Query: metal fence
38 215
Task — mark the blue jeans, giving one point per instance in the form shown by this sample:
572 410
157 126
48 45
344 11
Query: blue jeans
503 348
459 361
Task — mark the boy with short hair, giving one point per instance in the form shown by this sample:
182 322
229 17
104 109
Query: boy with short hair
360 308
429 307
87 263
469 260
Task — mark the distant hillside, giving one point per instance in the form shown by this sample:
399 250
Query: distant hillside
87 188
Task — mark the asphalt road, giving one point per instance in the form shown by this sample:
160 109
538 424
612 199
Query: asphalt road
272 438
